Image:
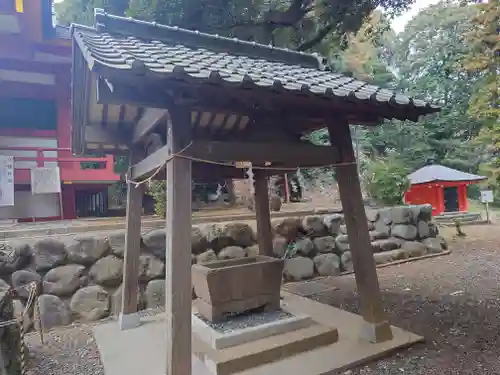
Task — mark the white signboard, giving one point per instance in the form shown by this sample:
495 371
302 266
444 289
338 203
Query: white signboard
6 181
487 196
45 180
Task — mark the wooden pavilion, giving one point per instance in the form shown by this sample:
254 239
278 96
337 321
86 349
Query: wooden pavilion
198 103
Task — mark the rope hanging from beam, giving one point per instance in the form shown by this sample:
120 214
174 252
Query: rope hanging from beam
223 164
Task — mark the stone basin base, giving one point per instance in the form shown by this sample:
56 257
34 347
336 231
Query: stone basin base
236 286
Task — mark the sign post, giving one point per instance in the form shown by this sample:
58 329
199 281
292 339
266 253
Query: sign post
486 198
46 180
6 181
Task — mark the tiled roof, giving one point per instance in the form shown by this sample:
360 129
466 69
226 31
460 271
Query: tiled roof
127 44
436 172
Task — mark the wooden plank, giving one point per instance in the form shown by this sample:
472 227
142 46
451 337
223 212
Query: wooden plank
286 154
131 255
262 214
376 324
149 119
178 287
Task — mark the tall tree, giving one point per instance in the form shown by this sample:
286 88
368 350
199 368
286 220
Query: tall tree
426 58
297 24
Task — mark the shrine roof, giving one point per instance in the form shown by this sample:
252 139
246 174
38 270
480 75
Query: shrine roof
434 173
126 46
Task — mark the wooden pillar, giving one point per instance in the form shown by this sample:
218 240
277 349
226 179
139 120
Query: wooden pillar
178 252
376 327
262 213
128 317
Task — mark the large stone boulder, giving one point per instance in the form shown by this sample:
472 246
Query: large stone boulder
433 229
314 226
107 271
406 232
304 246
386 244
333 223
401 215
117 243
298 268
342 243
385 215
374 235
346 261
232 252
207 256
425 212
327 264
116 300
48 253
280 245
381 227
155 294
90 303
288 227
22 279
325 244
242 234
14 258
86 250
64 280
433 245
199 242
372 215
52 312
214 234
150 267
414 249
155 242
423 229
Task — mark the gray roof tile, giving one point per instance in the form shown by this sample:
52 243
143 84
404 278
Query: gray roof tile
431 173
125 44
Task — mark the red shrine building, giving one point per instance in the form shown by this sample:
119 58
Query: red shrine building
442 187
35 118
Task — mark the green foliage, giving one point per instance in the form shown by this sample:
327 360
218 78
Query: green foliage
297 24
157 190
386 181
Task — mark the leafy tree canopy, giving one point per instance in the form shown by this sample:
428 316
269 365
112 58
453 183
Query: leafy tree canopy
297 24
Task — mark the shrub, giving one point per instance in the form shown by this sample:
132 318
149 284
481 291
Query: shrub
158 190
386 180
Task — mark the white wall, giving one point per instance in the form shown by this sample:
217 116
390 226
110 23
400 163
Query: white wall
27 205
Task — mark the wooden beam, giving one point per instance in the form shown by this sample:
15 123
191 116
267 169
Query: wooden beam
283 155
262 214
376 327
100 134
128 317
178 288
149 119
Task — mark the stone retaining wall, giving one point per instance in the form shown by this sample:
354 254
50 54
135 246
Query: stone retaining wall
80 279
9 337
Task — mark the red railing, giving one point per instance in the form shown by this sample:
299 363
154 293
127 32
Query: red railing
70 167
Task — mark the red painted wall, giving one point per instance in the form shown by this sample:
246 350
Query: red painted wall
433 193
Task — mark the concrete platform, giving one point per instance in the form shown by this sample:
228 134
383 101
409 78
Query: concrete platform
142 350
218 340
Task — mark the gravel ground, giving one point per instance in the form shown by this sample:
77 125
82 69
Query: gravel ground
453 301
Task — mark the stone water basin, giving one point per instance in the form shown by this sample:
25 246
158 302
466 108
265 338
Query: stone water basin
229 287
